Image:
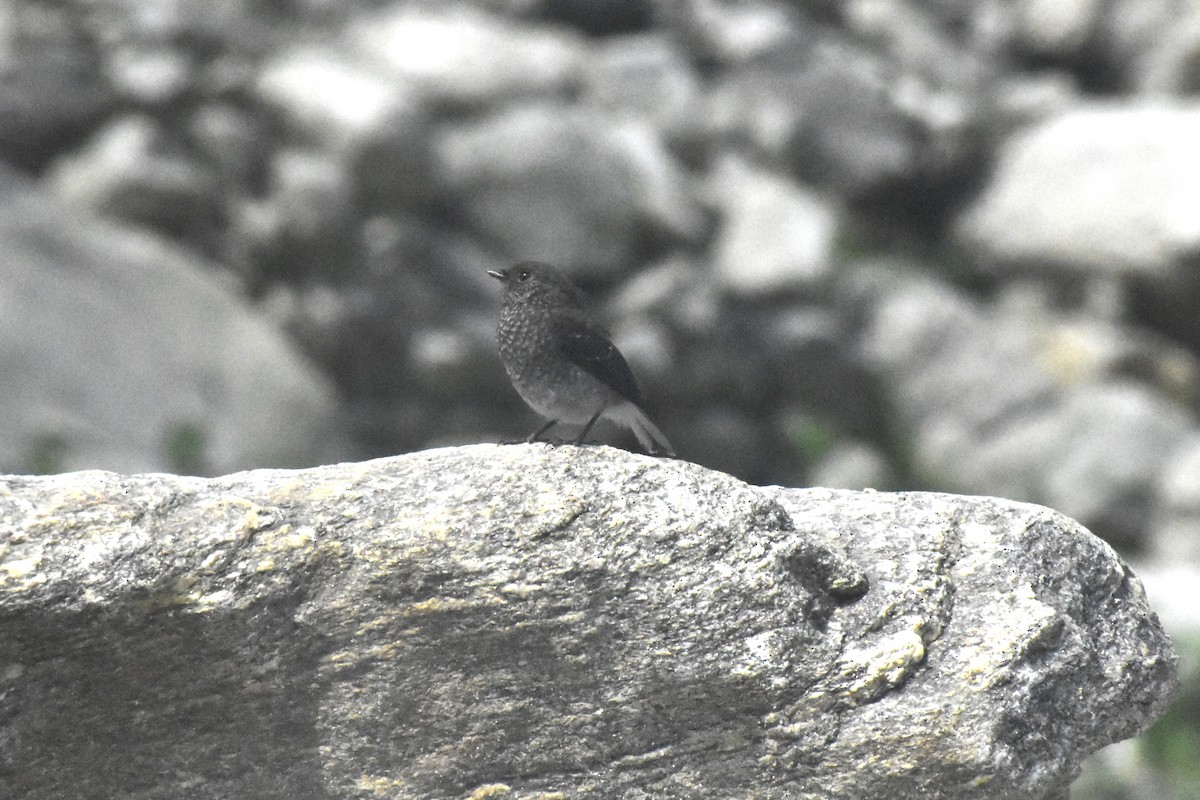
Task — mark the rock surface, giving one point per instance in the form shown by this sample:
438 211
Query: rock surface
532 621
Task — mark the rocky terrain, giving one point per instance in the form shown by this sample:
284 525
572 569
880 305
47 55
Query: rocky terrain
535 622
946 245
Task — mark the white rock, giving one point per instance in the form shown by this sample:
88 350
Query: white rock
775 235
330 97
1103 189
466 57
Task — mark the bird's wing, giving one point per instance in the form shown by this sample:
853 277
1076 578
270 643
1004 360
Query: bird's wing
588 346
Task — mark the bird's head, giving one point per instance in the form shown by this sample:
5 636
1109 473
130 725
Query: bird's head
533 282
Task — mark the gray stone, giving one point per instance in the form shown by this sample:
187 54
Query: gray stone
853 465
150 73
306 225
678 290
646 345
159 52
1098 455
460 57
357 111
1177 529
1171 68
52 87
597 18
235 141
830 114
1152 46
1025 100
1105 190
774 236
1170 584
983 415
1083 349
1057 28
132 170
646 77
537 621
731 32
410 340
900 109
123 352
329 96
570 187
811 366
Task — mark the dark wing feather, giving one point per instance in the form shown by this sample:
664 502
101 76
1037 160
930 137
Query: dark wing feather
588 346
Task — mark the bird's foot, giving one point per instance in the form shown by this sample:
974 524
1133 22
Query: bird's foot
530 440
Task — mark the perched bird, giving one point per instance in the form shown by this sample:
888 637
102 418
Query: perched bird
561 362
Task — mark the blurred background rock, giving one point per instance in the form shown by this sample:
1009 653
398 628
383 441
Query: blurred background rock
905 245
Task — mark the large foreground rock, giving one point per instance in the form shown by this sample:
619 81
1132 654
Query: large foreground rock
531 621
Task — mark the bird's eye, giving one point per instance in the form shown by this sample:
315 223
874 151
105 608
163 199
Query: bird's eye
522 274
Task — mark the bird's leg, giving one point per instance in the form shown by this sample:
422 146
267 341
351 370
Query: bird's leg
583 434
538 433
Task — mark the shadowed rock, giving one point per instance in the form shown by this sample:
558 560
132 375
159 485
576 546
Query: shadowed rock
537 621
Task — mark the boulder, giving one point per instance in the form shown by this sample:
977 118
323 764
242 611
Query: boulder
535 621
987 410
462 58
131 170
1103 190
53 89
121 351
570 187
1150 47
360 115
647 77
775 236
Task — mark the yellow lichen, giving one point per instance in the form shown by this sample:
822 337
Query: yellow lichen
301 538
884 665
20 567
337 489
436 605
380 785
184 583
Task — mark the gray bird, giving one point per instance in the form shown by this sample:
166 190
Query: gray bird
561 362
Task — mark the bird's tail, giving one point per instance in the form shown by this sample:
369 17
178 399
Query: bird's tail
648 435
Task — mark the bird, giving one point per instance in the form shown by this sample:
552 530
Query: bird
561 362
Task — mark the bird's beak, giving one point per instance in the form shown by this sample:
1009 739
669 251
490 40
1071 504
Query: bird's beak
500 275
